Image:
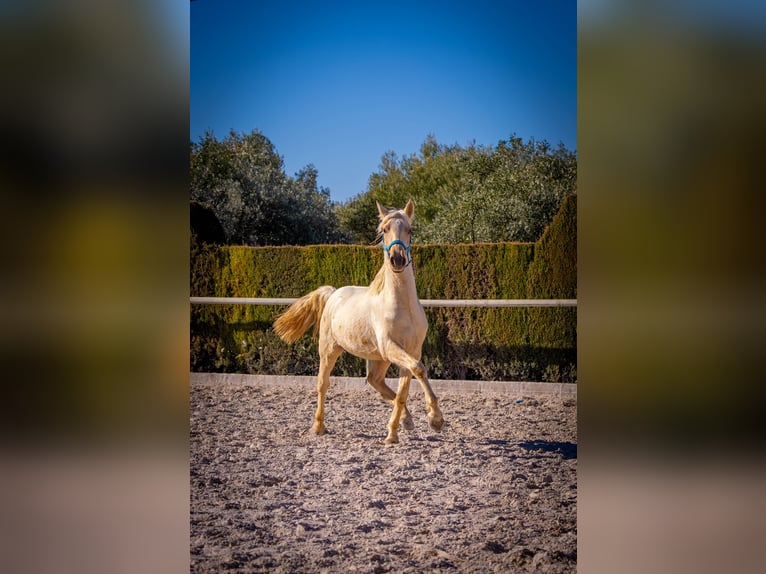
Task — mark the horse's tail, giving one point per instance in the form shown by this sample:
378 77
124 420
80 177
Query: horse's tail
302 314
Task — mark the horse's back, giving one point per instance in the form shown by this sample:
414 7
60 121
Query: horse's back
348 304
349 291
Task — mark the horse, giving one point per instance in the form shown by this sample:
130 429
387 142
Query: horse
383 323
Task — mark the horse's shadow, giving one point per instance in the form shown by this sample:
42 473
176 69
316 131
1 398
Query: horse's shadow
567 450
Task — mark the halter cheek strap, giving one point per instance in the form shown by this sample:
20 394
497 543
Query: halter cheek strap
387 248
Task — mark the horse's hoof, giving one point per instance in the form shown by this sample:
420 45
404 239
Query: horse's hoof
392 439
436 423
319 431
408 424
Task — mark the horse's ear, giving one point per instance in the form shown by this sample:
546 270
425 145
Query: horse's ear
409 209
382 211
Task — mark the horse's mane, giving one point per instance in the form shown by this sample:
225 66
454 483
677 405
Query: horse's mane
379 282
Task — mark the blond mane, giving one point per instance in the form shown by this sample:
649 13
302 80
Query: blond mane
379 282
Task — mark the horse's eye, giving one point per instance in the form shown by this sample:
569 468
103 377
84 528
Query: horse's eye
385 229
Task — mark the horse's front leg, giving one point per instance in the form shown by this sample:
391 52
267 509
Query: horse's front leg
376 376
400 406
400 357
435 417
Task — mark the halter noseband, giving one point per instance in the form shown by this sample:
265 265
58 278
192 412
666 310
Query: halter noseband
387 248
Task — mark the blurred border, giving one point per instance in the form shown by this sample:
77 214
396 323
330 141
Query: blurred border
671 314
94 292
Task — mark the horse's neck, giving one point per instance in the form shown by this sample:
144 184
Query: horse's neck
399 288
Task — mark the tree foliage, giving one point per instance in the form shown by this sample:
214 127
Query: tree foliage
469 194
242 180
509 192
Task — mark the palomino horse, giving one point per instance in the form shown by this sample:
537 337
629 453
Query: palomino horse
383 323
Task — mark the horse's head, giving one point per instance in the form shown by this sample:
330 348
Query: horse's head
395 232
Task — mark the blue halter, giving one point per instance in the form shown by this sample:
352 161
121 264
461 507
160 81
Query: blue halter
387 248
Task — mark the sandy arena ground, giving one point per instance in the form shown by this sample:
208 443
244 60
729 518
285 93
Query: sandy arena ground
495 491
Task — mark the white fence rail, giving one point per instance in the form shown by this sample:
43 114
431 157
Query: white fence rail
424 302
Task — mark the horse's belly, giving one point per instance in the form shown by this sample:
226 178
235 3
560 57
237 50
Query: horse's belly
356 338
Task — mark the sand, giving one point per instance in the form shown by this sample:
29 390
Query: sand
495 491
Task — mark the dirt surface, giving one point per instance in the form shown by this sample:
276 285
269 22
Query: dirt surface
495 491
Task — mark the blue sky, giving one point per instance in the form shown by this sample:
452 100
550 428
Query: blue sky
338 84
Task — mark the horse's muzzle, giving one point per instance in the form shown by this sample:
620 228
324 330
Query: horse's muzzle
398 260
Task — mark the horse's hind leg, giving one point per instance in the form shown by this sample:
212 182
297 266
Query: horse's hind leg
376 376
326 363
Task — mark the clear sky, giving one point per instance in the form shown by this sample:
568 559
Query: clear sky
339 83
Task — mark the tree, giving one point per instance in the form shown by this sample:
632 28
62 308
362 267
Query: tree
205 227
507 193
426 178
242 179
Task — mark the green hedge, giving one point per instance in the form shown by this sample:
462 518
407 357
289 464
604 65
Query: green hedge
487 344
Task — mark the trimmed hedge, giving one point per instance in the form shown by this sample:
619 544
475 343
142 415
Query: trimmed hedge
486 344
